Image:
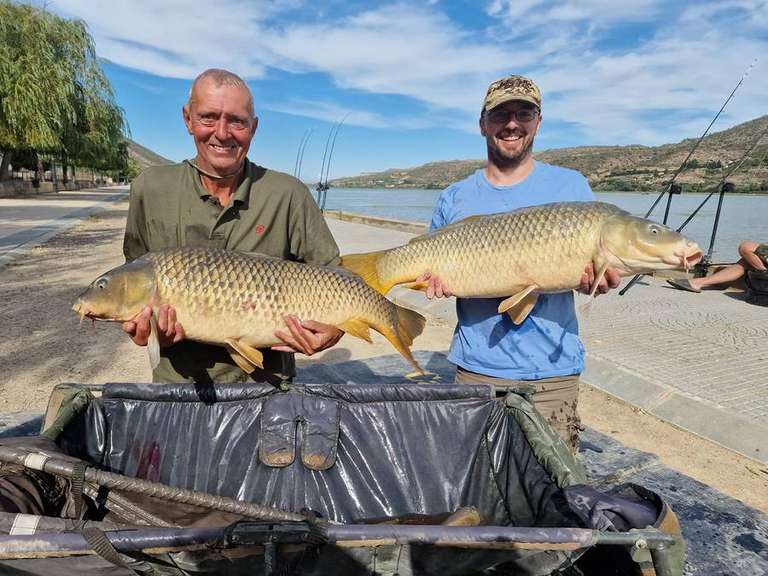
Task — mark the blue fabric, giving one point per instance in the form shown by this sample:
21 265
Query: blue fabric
546 344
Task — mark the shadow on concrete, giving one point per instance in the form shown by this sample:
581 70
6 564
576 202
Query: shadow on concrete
390 369
21 424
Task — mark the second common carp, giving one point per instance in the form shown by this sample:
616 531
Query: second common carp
238 300
520 254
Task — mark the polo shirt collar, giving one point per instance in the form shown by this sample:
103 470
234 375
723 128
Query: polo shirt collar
242 193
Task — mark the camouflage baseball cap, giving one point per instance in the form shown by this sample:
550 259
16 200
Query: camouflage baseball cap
512 88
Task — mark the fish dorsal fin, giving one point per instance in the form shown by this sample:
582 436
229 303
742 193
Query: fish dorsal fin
251 355
428 235
153 344
358 328
519 305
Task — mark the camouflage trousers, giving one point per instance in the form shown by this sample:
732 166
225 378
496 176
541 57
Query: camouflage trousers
556 400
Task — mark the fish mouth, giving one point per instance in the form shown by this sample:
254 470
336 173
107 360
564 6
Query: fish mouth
691 257
83 311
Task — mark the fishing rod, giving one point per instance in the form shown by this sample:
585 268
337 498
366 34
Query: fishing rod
673 188
298 152
330 155
701 138
319 187
722 187
722 182
303 148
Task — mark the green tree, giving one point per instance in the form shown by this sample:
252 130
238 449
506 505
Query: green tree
54 97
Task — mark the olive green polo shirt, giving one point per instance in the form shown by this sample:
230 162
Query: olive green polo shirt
271 213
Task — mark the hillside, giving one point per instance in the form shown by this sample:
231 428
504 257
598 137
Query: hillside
144 156
616 167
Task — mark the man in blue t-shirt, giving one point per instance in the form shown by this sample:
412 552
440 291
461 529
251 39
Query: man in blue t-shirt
488 347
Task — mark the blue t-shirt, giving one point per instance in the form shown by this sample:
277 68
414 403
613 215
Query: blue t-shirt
546 344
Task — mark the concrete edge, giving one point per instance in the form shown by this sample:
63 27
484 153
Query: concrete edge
685 412
44 232
401 225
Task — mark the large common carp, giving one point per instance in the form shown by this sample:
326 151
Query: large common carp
238 300
520 254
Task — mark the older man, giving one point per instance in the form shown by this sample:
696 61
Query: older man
221 199
545 350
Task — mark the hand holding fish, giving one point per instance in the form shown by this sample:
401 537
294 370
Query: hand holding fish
610 280
307 337
435 287
169 331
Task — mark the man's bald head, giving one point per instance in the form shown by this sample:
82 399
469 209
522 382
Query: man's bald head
219 77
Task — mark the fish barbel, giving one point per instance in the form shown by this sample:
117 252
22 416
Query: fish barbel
238 300
520 254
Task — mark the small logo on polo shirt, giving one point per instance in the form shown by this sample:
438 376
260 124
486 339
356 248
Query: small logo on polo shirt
259 229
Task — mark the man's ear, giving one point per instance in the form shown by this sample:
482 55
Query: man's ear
187 117
255 125
482 126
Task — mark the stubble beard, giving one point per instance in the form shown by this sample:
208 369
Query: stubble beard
505 161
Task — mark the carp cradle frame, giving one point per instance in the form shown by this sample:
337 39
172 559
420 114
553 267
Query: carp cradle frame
647 546
276 530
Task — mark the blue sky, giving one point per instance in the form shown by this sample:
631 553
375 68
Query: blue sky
410 76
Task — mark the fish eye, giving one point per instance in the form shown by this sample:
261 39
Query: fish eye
101 283
655 230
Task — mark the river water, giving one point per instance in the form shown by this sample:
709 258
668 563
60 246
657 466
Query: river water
742 217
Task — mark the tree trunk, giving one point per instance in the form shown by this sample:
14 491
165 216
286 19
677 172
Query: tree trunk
64 178
53 175
4 165
39 172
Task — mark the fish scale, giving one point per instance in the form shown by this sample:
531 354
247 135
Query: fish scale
534 243
519 254
239 300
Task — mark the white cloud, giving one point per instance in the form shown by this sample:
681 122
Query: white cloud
173 38
653 89
331 112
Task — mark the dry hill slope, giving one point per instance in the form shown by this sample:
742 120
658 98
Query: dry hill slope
144 156
617 167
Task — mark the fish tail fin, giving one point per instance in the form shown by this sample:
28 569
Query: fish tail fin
365 265
407 326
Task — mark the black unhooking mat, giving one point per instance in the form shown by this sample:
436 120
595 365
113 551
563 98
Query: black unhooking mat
349 453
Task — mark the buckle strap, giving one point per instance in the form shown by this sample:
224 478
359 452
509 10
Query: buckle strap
76 484
100 544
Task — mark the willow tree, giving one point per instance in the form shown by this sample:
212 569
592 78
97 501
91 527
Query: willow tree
54 97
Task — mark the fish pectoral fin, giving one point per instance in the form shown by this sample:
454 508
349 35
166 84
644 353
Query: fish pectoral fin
520 312
251 355
416 286
242 362
153 344
598 276
357 328
515 298
519 305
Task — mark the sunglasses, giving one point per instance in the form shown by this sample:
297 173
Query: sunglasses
503 115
